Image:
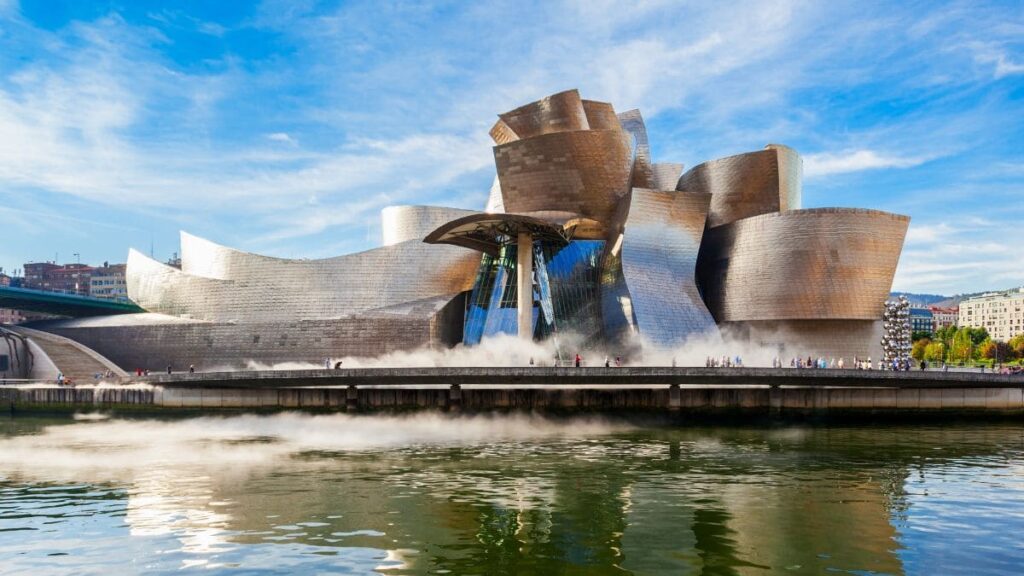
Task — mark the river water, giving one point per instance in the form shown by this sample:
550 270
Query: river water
428 494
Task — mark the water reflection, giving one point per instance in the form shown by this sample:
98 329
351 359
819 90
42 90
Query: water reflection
502 496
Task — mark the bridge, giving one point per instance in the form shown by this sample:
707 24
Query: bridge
60 304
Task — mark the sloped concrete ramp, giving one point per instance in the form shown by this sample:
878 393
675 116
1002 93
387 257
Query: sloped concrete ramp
74 360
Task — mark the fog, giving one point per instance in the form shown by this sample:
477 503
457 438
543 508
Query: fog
509 351
98 448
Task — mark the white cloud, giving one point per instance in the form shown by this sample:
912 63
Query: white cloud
991 52
280 137
1006 67
949 257
828 163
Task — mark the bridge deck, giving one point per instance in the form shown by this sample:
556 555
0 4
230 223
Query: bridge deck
59 304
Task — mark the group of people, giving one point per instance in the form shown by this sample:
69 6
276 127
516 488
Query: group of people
170 369
723 362
579 362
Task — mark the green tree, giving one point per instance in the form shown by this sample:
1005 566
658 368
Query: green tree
978 335
935 352
962 348
917 352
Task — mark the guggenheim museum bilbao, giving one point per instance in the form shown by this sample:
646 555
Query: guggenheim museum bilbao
584 240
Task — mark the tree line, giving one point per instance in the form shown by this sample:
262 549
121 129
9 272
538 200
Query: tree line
966 345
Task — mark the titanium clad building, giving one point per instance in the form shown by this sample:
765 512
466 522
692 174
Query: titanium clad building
584 239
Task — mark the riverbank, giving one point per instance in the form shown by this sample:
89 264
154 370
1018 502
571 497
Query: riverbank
599 390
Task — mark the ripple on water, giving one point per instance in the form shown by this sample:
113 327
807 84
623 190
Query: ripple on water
263 493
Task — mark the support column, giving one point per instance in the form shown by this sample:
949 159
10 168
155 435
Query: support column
524 286
351 398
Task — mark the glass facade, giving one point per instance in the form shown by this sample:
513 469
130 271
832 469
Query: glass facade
570 289
491 309
565 292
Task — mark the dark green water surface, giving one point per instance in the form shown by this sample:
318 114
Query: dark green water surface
307 494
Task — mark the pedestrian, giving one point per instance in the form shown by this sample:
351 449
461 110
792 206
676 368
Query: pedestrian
618 362
327 363
337 365
168 368
531 361
191 369
607 362
555 361
578 359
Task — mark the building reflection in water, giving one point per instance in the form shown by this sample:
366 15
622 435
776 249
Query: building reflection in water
712 501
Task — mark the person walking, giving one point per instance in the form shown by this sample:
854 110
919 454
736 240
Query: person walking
191 369
578 359
607 362
168 368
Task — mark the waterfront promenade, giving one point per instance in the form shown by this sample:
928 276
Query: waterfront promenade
601 390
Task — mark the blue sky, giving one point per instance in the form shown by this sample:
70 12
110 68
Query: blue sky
283 127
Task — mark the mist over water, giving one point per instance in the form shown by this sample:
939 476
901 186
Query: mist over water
511 351
131 446
428 494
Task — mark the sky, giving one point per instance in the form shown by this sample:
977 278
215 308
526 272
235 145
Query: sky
283 127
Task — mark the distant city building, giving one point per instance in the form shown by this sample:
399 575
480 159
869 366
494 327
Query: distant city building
51 277
109 282
943 317
1001 314
921 320
5 280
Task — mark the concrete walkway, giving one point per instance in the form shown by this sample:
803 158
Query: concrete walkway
73 359
550 376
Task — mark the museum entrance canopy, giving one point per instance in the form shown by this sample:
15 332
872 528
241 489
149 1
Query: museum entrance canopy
487 233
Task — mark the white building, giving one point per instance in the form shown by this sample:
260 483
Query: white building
1001 314
109 282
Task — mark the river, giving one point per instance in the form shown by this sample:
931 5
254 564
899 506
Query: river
430 494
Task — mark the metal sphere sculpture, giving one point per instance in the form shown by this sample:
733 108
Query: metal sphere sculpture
896 335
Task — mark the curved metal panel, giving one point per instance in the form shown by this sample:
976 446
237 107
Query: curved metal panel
495 203
831 339
665 175
824 263
600 115
586 172
748 184
404 223
556 113
659 257
643 177
249 287
502 134
791 177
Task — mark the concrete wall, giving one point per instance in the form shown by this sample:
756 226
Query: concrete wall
655 400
